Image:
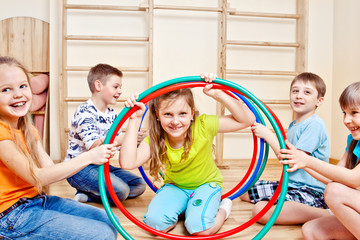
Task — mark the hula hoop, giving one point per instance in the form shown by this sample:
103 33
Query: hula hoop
171 85
262 158
261 162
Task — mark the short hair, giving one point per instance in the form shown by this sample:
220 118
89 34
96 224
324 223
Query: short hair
312 78
101 72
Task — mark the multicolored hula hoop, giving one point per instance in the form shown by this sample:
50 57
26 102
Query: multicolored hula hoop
186 82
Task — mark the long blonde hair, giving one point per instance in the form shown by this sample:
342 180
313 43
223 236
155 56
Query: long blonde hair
159 158
25 125
350 98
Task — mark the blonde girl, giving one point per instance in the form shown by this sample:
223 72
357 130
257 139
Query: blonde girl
343 179
25 168
180 143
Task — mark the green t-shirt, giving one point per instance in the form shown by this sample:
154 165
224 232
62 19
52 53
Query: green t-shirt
199 168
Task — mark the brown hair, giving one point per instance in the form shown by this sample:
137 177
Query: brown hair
159 158
349 99
309 77
25 125
101 72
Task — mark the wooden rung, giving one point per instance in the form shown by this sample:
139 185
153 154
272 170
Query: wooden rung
39 72
272 101
264 15
188 8
265 44
185 8
247 130
260 72
67 130
83 99
38 113
103 7
123 69
107 38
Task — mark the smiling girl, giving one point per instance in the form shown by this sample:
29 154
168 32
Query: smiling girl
25 211
180 143
343 179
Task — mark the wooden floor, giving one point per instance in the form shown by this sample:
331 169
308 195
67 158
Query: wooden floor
233 171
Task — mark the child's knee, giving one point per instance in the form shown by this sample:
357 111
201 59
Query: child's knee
245 197
258 207
308 230
110 233
101 231
332 193
158 221
198 225
137 190
122 195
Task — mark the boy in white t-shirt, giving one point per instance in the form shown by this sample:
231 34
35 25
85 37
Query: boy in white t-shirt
89 126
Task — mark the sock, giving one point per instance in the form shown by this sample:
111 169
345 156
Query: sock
226 204
81 197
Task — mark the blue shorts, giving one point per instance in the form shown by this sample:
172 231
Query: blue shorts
200 207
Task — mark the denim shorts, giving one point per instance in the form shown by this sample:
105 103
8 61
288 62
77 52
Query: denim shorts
200 207
49 217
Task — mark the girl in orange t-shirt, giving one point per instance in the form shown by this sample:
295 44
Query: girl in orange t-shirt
25 168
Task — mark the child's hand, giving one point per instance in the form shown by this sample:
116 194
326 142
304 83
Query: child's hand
296 159
101 154
261 131
208 77
131 102
208 90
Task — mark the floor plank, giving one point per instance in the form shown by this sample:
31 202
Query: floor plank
233 171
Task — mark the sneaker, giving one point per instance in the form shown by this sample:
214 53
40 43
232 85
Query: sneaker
81 197
226 204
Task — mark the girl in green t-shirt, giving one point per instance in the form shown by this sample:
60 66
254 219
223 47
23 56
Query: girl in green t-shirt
180 144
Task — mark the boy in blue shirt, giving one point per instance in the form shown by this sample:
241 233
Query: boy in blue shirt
89 126
304 200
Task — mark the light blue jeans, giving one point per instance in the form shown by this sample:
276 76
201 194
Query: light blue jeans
126 184
200 206
51 217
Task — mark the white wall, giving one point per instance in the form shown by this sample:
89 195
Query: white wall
346 65
320 52
34 8
332 53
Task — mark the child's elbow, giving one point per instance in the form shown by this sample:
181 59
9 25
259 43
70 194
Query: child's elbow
355 184
251 120
125 165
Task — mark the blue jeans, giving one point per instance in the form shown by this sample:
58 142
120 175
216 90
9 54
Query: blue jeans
51 217
126 184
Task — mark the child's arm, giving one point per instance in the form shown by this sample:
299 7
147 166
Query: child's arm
241 117
130 155
320 177
49 172
265 133
140 136
337 173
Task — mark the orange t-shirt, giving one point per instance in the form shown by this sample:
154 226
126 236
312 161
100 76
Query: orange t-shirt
12 187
